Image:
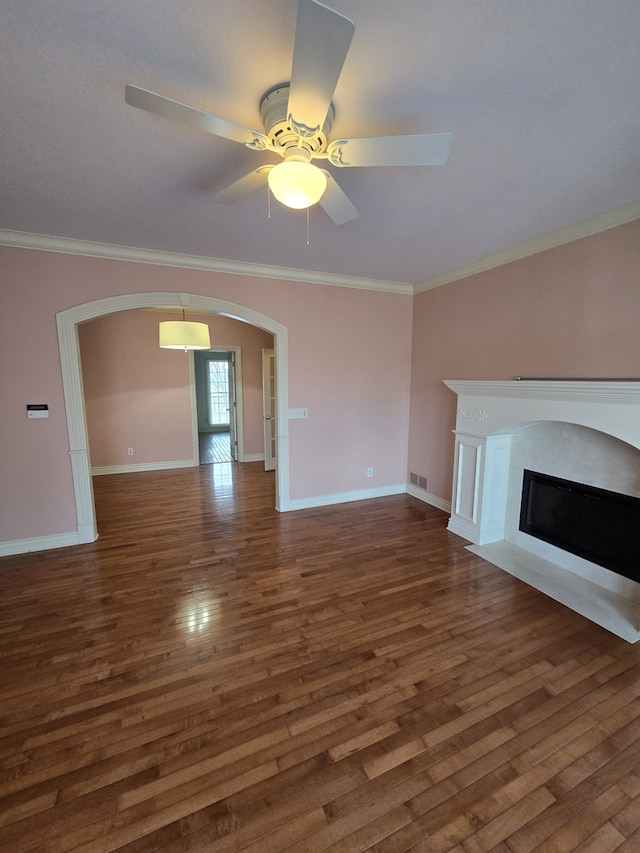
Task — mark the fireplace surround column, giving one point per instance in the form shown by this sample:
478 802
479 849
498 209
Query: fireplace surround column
480 485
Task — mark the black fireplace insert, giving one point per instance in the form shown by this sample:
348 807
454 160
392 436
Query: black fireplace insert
595 524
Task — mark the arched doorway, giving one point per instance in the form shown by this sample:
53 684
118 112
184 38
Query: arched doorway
74 397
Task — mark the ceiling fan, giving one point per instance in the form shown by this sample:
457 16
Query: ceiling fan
297 118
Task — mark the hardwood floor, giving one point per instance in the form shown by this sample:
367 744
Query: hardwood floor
214 676
214 447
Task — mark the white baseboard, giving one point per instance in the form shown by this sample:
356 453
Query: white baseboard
366 494
144 466
346 497
38 543
252 457
428 498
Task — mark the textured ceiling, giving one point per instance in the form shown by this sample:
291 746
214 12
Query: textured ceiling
543 99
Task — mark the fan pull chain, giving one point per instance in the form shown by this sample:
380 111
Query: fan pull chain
306 211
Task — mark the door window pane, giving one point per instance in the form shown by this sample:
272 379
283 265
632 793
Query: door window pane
218 393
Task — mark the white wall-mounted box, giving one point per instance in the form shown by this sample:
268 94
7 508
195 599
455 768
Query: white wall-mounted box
37 410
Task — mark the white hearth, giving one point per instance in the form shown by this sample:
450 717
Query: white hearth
586 431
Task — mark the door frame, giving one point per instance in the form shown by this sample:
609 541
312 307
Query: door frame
269 410
70 362
238 416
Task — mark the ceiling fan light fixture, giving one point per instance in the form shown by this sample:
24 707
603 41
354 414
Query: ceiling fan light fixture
296 182
297 117
184 334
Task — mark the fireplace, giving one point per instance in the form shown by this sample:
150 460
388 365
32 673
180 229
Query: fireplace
581 432
593 523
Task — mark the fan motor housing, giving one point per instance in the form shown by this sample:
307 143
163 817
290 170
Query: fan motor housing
274 114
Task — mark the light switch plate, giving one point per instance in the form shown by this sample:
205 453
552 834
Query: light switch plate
37 410
297 413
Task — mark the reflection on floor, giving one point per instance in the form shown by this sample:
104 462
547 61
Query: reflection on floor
214 447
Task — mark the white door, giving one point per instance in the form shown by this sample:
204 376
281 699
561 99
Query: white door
269 408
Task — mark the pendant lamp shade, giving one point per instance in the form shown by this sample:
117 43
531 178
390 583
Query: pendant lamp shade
183 334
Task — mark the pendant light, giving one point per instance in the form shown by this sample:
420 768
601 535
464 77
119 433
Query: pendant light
183 334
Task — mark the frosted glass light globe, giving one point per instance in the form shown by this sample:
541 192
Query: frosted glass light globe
297 183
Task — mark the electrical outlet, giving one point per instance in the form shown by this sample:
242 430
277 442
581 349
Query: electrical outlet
369 472
129 451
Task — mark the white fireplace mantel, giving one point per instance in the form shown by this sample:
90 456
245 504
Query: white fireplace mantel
590 391
492 417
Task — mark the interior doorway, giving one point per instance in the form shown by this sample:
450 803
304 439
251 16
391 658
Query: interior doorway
67 322
216 405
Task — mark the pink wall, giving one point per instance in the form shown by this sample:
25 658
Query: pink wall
572 311
349 363
137 395
356 382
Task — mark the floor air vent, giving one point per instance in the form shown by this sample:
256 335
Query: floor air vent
419 481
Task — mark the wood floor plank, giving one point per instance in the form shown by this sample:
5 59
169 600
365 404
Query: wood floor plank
214 675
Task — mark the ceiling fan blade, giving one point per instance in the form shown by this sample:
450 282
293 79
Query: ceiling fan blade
336 204
168 108
247 184
320 49
420 149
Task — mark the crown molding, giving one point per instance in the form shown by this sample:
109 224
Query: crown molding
67 246
577 231
583 228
